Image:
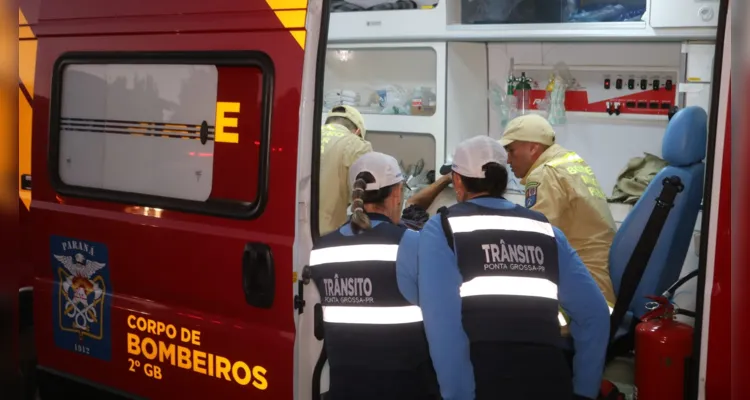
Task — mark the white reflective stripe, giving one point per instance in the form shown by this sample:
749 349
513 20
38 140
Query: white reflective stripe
611 310
360 252
509 285
372 315
495 222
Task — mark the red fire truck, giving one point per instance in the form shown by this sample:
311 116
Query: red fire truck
171 269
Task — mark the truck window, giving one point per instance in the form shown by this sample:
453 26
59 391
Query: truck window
172 131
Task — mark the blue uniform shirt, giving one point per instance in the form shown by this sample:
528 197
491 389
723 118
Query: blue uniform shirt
439 280
406 264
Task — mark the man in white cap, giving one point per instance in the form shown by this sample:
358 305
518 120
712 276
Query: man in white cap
560 185
342 142
492 276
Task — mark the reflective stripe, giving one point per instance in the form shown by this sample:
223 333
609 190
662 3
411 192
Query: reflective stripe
567 157
510 286
360 252
372 315
495 222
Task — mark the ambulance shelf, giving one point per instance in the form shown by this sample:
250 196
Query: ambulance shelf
397 123
453 74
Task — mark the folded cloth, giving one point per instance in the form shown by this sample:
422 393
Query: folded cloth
635 177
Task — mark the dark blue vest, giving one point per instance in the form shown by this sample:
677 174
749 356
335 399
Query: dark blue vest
374 337
508 260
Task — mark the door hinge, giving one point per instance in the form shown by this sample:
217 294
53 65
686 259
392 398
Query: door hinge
299 300
299 303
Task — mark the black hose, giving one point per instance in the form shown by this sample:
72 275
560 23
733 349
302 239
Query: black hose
687 313
670 292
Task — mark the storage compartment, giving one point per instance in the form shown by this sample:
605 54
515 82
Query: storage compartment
684 13
393 81
410 149
550 11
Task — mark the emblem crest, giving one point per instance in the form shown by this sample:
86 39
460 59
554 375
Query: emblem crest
81 298
531 194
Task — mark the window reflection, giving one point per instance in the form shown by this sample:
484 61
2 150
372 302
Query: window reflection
380 5
550 11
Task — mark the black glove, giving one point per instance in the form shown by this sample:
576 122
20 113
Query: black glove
414 217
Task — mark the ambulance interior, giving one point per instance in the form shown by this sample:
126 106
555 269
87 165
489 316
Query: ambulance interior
428 74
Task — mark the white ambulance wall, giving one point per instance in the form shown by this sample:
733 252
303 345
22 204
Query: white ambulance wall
608 147
605 142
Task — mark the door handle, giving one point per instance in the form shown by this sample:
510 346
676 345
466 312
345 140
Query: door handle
258 275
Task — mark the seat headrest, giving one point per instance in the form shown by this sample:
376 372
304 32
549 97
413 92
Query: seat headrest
684 142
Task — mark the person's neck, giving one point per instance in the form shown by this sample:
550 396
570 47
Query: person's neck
376 210
475 195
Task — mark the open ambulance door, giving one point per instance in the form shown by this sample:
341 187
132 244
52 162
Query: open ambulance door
310 378
710 371
163 217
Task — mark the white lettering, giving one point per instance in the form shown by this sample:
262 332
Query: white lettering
515 257
80 246
347 290
486 248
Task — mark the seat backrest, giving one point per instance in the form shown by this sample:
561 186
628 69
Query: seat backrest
683 148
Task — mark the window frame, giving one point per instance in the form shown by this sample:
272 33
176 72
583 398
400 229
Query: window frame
214 207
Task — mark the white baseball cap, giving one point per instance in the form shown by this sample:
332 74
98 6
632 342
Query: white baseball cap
473 154
384 169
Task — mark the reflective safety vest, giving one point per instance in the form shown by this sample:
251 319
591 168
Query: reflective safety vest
373 335
508 261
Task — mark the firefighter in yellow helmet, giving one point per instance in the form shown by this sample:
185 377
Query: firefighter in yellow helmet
342 142
562 186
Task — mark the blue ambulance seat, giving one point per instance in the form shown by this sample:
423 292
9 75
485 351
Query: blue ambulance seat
683 148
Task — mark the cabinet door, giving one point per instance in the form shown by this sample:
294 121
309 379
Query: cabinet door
684 13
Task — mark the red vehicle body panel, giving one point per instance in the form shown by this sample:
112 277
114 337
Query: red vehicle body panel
177 268
718 363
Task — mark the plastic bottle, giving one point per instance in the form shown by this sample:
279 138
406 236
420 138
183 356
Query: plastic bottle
417 101
523 94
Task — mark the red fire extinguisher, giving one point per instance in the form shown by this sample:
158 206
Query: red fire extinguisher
662 347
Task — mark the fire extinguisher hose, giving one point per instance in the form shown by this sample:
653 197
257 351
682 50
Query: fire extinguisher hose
670 292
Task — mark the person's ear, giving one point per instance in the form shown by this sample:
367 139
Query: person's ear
456 180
